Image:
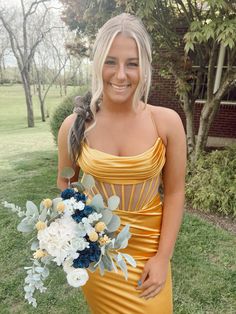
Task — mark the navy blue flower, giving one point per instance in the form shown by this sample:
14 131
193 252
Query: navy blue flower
67 194
80 197
87 256
88 210
78 215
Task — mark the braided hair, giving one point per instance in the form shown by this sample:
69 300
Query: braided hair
77 132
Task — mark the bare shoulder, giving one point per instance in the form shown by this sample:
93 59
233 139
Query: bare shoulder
165 114
167 120
67 123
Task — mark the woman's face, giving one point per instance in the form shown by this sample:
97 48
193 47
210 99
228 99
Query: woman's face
121 71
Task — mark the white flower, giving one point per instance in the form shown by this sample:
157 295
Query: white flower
71 205
91 218
77 277
67 265
58 239
79 205
81 230
79 244
69 210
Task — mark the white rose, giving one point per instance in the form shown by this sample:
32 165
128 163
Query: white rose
77 277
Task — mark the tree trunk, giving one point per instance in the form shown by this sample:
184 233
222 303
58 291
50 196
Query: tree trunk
188 107
41 100
28 98
207 116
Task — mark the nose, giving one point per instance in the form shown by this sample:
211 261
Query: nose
121 72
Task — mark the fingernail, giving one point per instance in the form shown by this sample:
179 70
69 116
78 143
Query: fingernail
139 282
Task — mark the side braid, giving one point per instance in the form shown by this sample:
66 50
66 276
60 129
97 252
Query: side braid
76 135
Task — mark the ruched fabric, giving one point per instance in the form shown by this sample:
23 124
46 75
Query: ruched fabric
112 293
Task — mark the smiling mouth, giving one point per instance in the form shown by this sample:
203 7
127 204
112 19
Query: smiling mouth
120 88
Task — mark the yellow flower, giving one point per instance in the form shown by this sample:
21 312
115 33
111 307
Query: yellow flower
39 254
40 225
88 201
93 236
104 240
47 202
100 226
61 207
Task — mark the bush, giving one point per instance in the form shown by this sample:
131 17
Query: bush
64 109
211 182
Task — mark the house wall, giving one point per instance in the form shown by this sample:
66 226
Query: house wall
163 94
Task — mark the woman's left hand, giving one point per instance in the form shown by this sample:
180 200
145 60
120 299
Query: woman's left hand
153 277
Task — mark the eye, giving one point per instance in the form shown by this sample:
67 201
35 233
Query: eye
110 62
133 64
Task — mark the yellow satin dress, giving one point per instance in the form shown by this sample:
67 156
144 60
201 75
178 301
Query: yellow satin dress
135 179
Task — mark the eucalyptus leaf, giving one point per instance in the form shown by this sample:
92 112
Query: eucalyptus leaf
113 224
124 244
123 237
88 181
113 202
31 209
97 203
92 267
34 245
45 272
39 269
121 263
129 259
114 265
25 226
43 215
106 216
55 201
101 268
106 259
79 186
67 172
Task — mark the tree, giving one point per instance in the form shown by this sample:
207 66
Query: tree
210 28
50 60
86 17
26 29
185 34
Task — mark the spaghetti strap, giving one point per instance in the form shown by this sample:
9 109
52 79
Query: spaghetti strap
153 122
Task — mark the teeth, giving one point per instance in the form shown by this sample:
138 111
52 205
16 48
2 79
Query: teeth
119 88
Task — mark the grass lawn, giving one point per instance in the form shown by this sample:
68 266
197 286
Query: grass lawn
204 267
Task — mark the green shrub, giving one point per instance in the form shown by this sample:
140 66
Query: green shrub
64 109
211 182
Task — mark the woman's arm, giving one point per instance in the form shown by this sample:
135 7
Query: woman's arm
174 185
64 159
155 270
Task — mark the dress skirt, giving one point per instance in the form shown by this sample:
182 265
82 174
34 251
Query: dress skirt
112 293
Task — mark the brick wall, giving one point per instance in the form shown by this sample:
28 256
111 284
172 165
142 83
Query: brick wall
163 94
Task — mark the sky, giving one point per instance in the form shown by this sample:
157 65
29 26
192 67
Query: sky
9 58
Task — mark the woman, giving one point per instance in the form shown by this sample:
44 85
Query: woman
128 145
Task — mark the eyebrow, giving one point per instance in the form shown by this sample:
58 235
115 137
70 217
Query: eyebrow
129 59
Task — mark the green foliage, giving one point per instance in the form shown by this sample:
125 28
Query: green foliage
211 182
64 109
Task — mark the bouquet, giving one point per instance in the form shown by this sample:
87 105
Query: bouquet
75 232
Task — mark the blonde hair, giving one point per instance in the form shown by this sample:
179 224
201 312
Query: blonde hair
132 27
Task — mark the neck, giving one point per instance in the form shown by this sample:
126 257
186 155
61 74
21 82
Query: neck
120 108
